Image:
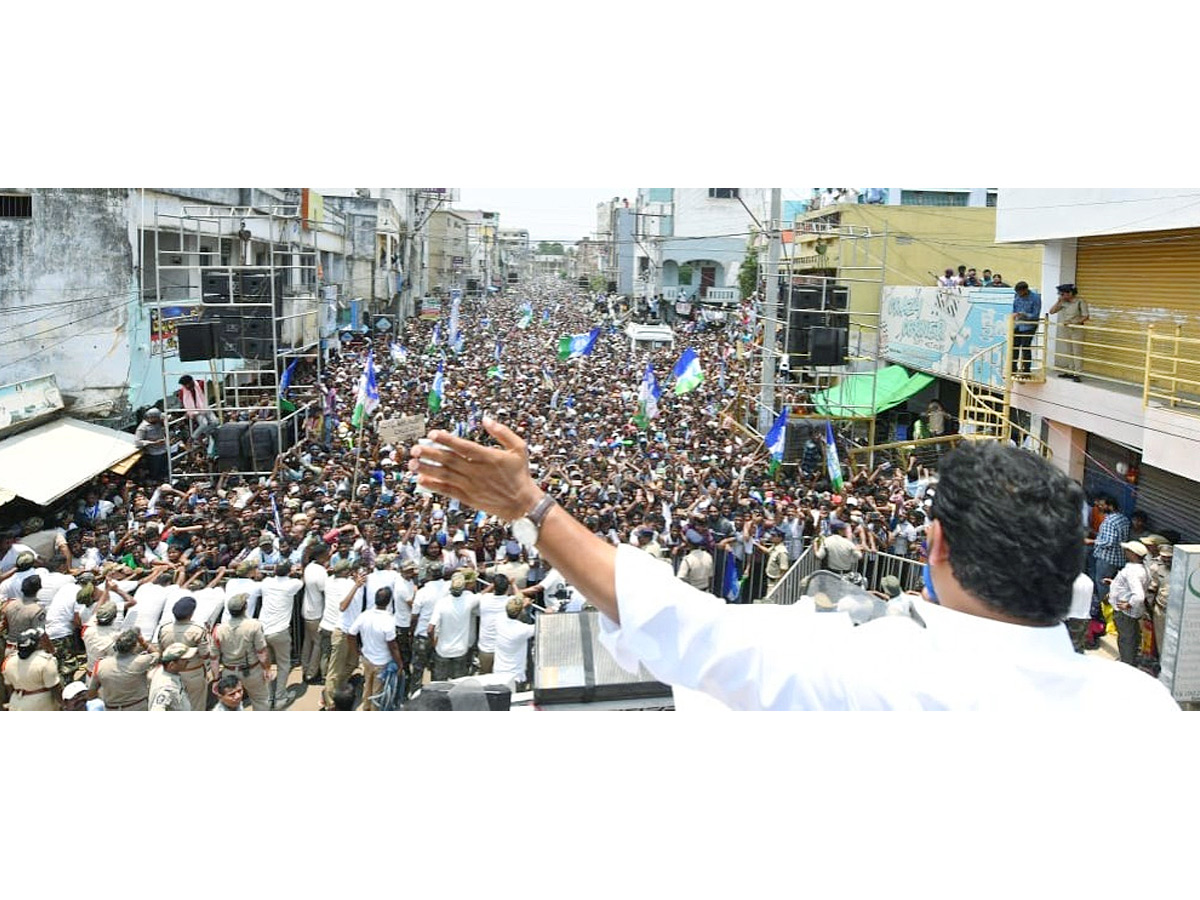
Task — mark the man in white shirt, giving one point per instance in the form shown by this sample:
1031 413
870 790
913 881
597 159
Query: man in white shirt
981 639
1079 616
278 603
491 610
10 549
248 581
405 592
433 587
314 653
374 634
10 588
343 603
151 601
450 631
1128 598
512 642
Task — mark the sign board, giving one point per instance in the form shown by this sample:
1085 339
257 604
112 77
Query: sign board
431 308
1180 657
24 401
404 430
938 329
164 327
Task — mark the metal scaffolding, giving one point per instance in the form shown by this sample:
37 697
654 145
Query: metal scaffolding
260 295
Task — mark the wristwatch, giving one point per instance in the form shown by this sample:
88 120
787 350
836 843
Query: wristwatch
526 528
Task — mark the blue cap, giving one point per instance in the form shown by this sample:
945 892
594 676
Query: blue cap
693 536
184 607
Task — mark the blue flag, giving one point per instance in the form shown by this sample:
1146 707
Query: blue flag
498 349
688 375
286 381
775 440
368 394
732 581
832 463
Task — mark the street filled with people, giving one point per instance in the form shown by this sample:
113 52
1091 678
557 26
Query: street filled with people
212 591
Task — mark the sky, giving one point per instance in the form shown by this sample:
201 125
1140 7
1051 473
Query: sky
550 214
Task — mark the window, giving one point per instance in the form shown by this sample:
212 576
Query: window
723 193
991 198
16 206
933 198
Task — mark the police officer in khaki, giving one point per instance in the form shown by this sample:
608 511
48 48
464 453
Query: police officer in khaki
98 637
167 693
24 612
777 559
31 674
242 648
184 631
122 681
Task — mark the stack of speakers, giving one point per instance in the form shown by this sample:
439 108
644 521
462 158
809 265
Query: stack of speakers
235 322
817 324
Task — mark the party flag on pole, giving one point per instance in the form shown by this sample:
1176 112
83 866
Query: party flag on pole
688 375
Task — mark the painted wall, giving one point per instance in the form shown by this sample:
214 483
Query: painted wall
1041 214
68 292
937 330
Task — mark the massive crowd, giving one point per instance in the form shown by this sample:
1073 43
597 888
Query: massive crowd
203 592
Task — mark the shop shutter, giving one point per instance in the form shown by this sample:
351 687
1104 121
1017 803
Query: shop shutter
1171 501
1100 471
1131 281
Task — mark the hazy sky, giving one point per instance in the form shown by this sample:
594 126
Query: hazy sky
550 214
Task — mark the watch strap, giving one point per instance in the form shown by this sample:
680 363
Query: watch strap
537 515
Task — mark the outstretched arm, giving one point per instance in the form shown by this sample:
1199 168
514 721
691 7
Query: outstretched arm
497 481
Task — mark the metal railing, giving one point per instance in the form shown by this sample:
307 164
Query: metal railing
1172 372
874 567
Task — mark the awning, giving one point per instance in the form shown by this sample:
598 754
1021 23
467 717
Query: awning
870 394
46 462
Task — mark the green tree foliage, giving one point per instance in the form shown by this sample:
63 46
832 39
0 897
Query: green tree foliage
550 248
748 273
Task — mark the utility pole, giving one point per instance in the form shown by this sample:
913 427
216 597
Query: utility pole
766 409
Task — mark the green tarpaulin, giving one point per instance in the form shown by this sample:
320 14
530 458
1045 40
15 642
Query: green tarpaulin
870 394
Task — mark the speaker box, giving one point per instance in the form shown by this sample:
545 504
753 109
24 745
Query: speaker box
611 287
255 348
197 341
217 286
572 666
827 347
255 326
257 285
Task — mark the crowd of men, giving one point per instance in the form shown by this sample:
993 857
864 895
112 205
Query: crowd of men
201 592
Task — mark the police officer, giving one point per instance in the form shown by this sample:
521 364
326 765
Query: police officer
23 613
99 637
31 674
184 631
122 681
242 649
167 693
777 558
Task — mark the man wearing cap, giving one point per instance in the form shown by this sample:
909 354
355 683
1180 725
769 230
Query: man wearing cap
374 634
450 630
1072 312
1166 554
98 638
278 605
248 581
1027 308
1128 598
122 680
343 602
512 568
10 588
777 558
167 693
151 438
184 631
10 548
242 650
696 568
24 613
838 552
31 676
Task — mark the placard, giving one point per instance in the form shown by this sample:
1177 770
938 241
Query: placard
403 430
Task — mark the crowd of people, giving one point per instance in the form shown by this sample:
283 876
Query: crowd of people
143 593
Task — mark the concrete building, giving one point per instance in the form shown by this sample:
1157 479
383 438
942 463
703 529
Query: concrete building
514 254
448 250
1131 425
95 281
483 248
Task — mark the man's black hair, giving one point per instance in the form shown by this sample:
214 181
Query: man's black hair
383 597
227 683
31 585
343 698
1011 521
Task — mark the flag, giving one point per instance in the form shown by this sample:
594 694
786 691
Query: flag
278 521
435 393
457 344
454 320
577 344
687 372
496 372
437 335
286 381
546 314
666 511
831 458
648 395
368 393
731 582
498 349
399 354
547 377
775 439
526 316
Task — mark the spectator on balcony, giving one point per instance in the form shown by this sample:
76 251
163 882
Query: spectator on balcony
1072 312
972 279
948 279
987 278
1027 307
997 280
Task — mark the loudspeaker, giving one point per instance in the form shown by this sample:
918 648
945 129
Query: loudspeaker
197 341
571 665
255 348
611 288
217 286
255 326
827 347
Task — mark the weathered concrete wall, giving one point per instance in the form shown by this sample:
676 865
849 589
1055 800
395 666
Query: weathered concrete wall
67 290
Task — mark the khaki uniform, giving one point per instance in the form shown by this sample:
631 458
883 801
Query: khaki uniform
124 680
22 614
31 682
98 641
194 677
167 693
777 565
238 642
1070 335
1157 591
697 568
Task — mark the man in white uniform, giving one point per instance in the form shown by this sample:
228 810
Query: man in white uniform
980 639
450 630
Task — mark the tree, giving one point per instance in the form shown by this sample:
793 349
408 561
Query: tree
685 275
748 273
550 248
